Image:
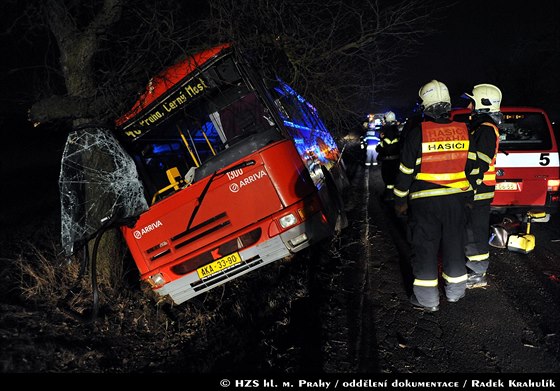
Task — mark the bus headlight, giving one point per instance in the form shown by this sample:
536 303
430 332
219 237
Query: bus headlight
156 280
287 221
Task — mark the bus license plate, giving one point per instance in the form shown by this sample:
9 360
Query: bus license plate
506 186
218 265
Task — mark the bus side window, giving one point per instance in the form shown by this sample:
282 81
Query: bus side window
243 117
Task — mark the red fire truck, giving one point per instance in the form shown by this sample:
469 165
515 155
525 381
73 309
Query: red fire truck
238 170
527 165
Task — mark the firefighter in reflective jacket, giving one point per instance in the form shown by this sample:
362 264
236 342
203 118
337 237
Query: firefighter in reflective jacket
433 186
389 150
486 115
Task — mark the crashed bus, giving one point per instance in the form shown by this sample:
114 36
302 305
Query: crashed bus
238 171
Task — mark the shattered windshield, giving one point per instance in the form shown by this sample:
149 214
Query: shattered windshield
98 184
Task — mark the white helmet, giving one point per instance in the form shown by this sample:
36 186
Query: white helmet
486 97
390 117
434 92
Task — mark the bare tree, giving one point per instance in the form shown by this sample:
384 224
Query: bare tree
99 54
106 51
342 55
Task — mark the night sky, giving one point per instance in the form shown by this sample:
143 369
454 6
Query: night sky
476 43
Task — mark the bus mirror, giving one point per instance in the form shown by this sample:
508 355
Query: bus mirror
189 177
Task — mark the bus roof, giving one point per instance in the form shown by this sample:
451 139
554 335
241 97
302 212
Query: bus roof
166 79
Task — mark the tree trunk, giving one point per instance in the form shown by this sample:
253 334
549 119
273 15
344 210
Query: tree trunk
77 49
111 249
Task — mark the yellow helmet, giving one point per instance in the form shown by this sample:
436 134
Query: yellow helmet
434 92
486 97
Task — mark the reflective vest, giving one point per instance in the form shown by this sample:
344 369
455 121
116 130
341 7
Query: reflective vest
445 149
390 146
489 178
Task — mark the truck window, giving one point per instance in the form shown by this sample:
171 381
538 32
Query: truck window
520 131
524 131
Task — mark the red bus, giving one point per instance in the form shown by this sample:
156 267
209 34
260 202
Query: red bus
527 165
238 170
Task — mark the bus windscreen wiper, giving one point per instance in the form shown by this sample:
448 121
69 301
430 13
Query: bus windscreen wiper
216 173
503 151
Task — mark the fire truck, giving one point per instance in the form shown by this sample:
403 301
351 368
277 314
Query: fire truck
238 170
527 164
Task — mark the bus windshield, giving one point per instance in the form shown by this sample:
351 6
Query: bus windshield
196 125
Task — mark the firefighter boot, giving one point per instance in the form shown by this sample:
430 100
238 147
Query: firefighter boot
417 305
455 299
476 280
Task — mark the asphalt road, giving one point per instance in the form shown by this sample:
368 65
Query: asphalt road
510 326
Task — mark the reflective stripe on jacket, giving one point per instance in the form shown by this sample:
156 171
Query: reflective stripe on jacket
408 186
445 149
371 137
489 178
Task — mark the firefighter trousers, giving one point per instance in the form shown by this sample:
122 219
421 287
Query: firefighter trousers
436 227
389 171
477 249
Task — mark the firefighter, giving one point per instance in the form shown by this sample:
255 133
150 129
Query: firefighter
388 150
484 121
433 188
370 141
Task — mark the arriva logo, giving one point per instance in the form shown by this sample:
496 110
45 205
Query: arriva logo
150 227
235 187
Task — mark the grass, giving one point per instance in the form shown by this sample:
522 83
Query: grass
201 335
42 275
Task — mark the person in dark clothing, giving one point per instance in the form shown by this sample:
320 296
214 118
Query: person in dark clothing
388 154
433 187
484 121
